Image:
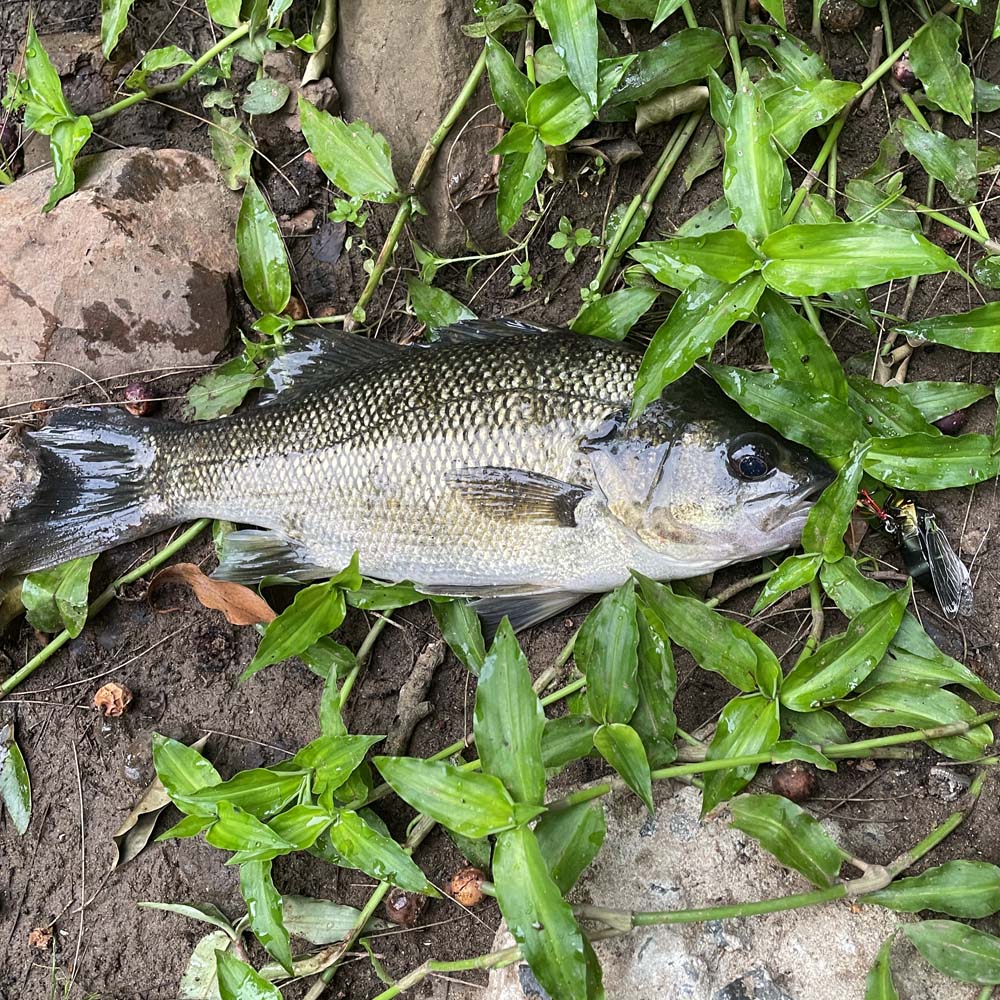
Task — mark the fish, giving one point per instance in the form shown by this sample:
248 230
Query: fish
497 464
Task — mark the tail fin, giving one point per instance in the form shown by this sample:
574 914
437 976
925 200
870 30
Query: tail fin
84 485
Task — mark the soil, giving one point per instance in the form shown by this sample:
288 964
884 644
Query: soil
183 665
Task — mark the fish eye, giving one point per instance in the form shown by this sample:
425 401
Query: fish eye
751 459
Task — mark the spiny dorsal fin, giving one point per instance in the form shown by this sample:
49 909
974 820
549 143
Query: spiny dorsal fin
517 494
480 331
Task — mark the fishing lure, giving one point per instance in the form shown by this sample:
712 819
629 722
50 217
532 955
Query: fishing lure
927 553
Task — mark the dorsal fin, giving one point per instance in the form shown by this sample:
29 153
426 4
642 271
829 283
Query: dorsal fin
472 331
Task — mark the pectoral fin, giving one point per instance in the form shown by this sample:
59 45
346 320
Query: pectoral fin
522 611
252 555
519 495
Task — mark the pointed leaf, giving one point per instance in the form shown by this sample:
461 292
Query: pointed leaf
654 719
685 56
935 400
959 951
319 921
511 88
800 107
879 984
264 910
15 785
831 514
725 256
885 410
56 599
520 171
922 462
199 981
238 830
968 889
371 851
621 747
605 652
237 981
572 24
67 139
114 19
334 758
434 307
951 161
612 316
262 792
937 63
794 572
263 261
463 632
975 330
209 913
569 840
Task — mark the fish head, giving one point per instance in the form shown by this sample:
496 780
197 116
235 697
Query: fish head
698 485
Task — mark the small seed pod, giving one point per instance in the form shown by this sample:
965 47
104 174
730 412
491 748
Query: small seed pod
112 699
902 73
952 423
794 781
841 16
139 401
465 886
40 938
295 309
404 908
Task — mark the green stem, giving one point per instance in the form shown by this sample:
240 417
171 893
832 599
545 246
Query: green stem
688 12
102 601
529 51
738 588
364 651
981 239
883 7
494 960
816 632
918 115
549 674
732 39
831 176
977 221
420 171
165 88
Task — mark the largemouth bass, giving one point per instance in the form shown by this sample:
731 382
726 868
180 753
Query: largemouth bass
498 464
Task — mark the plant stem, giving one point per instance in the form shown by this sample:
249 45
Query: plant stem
549 674
883 7
417 179
732 39
103 600
688 12
165 88
738 588
529 51
977 221
493 960
918 115
361 658
816 631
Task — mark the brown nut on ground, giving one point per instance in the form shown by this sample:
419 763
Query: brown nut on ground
295 308
113 699
841 16
465 886
140 401
794 781
404 908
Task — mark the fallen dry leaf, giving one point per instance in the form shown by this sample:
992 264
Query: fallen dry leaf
113 699
239 604
40 938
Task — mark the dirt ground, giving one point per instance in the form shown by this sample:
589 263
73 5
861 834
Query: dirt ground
183 666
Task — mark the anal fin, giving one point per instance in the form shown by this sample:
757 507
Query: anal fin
252 555
522 610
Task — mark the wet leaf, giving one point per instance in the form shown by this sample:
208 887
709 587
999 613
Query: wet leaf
232 150
879 984
968 889
749 724
520 170
605 651
831 514
793 572
265 96
840 664
540 920
474 805
181 769
199 981
959 951
899 665
975 330
67 139
917 706
569 840
794 837
300 826
237 981
797 62
686 55
371 851
511 88
320 921
356 159
208 913
262 792
239 830
224 12
935 400
726 255
937 63
921 462
622 748
814 728
572 25
504 18
566 739
155 60
787 750
654 718
885 410
263 260
219 392
509 720
56 599
434 307
701 316
265 911
240 605
15 784
612 316
114 19
40 91
333 759
798 108
951 161
881 203
813 260
462 630
753 173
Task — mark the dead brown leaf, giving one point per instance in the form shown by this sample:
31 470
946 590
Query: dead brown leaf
239 604
112 699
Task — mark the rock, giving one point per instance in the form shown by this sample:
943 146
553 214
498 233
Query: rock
680 861
131 273
399 65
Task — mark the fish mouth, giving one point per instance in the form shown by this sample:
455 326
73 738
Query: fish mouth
797 505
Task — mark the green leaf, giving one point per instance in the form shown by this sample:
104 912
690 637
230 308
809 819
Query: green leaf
612 316
520 171
701 316
568 738
114 19
937 63
605 651
463 632
976 330
748 725
885 410
57 598
238 830
569 840
917 706
155 60
232 150
434 307
181 769
334 758
794 572
879 984
798 63
261 792
790 834
664 8
388 596
540 920
318 921
220 391
265 96
813 260
823 423
686 55
986 94
796 351
881 203
15 783
316 611
753 172
263 260
509 720
654 719
787 750
935 400
209 913
371 851
968 889
951 161
356 159
300 826
831 514
922 462
67 139
622 748
899 665
798 108
225 12
474 805
572 25
511 88
40 91
237 981
814 728
726 255
264 909
840 664
959 951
